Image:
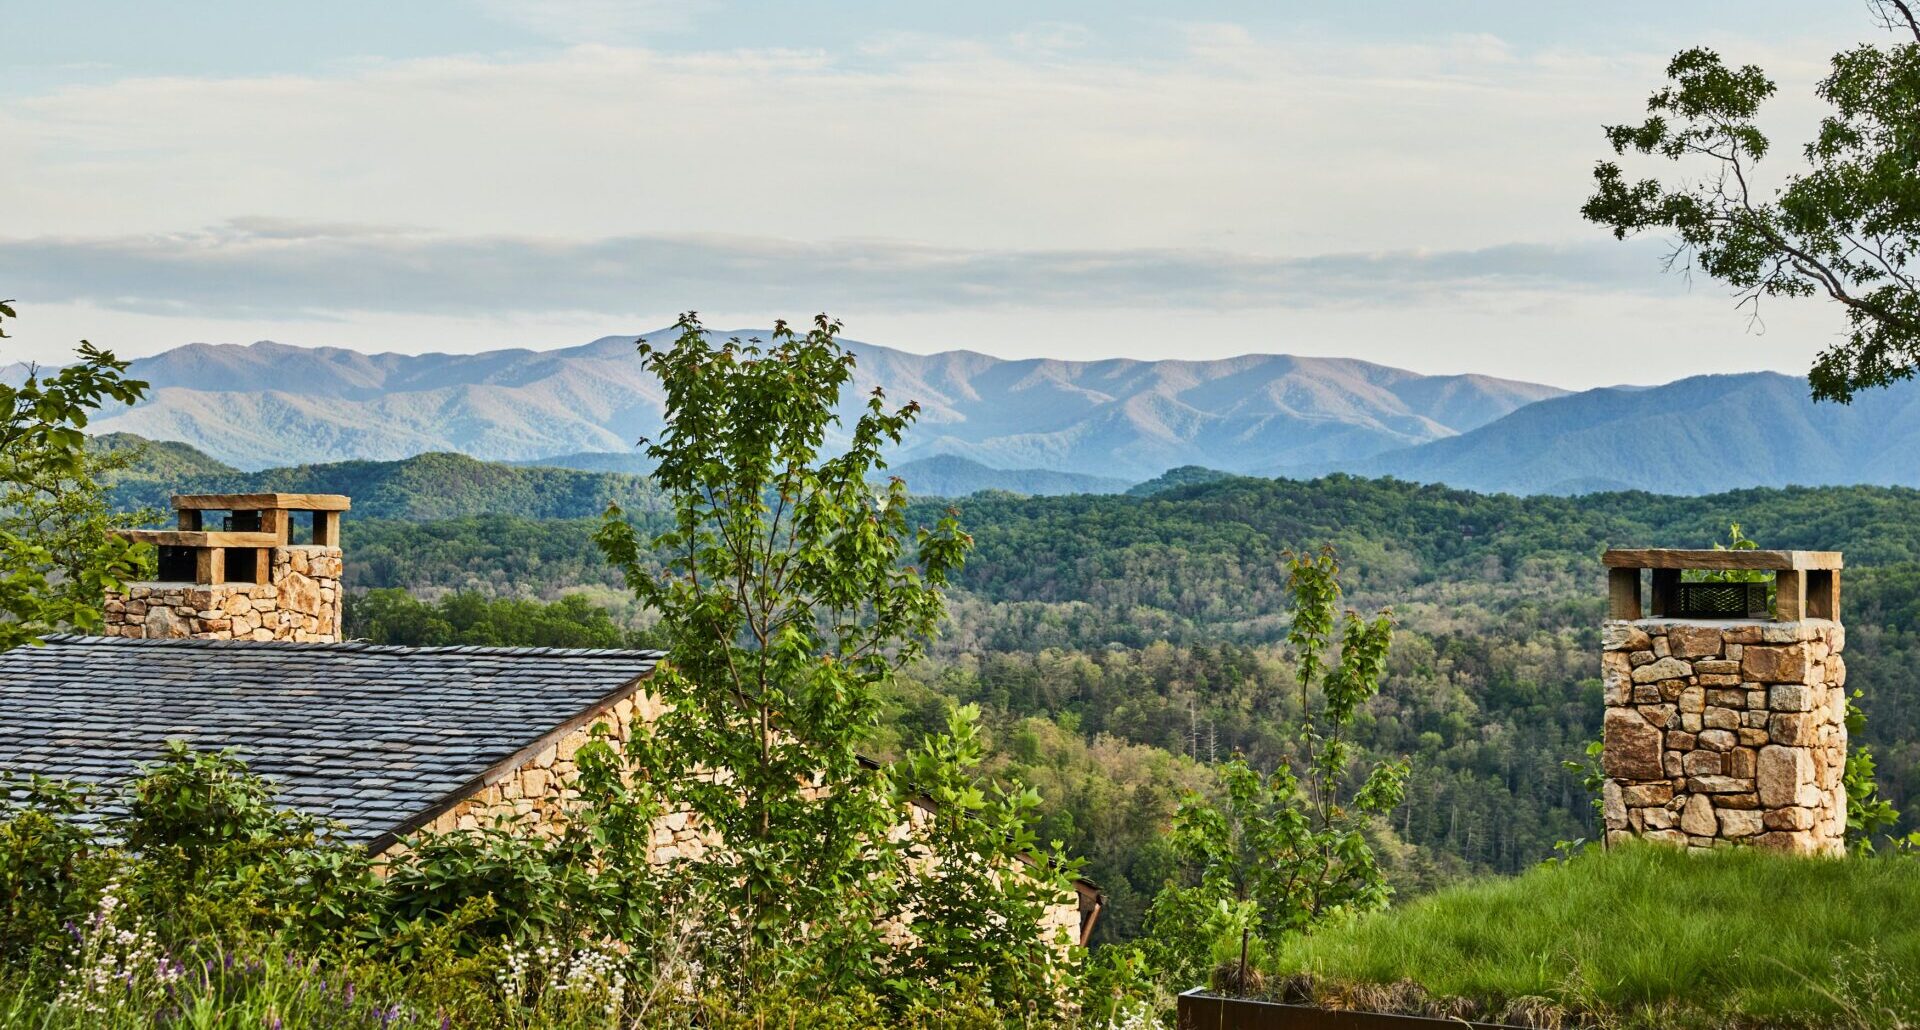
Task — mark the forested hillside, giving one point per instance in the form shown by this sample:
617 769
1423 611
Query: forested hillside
943 475
1122 644
425 486
949 475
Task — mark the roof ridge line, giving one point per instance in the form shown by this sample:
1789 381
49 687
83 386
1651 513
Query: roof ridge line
358 646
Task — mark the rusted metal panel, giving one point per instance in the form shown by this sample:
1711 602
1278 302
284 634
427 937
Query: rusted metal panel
1199 1010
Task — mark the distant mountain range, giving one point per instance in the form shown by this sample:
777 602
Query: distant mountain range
1042 426
269 404
949 475
1700 435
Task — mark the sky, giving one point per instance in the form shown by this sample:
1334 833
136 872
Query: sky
1398 181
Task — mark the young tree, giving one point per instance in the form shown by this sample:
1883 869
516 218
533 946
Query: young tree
1846 228
1284 850
58 554
981 883
788 587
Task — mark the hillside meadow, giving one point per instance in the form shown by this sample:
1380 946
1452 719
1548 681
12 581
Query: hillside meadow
1638 938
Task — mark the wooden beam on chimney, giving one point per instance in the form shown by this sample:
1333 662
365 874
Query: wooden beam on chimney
1623 593
1789 595
1675 558
1665 591
1823 594
199 538
275 521
261 502
326 528
209 566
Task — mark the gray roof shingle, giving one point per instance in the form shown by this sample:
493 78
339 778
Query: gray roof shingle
371 735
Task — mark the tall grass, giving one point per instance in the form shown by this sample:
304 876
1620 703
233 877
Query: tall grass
243 994
1643 936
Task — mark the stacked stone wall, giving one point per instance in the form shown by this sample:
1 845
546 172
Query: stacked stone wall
540 792
300 601
1720 732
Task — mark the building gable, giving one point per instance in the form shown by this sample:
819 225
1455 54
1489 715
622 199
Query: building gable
374 736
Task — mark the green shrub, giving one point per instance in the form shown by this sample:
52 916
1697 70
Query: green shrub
50 870
216 907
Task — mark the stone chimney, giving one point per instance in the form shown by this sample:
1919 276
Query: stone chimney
1726 712
240 567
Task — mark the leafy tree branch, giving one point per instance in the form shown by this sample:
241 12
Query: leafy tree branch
58 552
1845 228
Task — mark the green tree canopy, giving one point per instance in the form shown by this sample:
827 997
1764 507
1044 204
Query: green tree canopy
1845 228
393 616
1284 850
58 553
790 588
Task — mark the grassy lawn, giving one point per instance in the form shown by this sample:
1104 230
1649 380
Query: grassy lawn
1638 937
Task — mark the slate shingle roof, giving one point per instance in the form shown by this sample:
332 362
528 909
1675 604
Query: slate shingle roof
374 736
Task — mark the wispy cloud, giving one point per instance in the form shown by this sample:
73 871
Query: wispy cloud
1412 198
597 21
1230 140
277 266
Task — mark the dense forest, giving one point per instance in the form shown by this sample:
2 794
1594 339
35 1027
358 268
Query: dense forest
425 486
1123 645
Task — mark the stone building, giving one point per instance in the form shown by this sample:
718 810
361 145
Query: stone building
390 741
387 740
242 651
1725 702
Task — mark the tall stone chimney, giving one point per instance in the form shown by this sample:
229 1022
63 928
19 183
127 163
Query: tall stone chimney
1726 712
240 567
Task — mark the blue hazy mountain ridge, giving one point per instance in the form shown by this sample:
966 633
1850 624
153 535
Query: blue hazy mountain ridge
949 475
942 475
1703 434
631 462
269 404
446 485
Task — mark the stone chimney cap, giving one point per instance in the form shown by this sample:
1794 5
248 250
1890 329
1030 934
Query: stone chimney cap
261 502
1676 558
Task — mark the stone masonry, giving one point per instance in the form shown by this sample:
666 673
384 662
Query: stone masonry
538 791
300 601
1723 731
